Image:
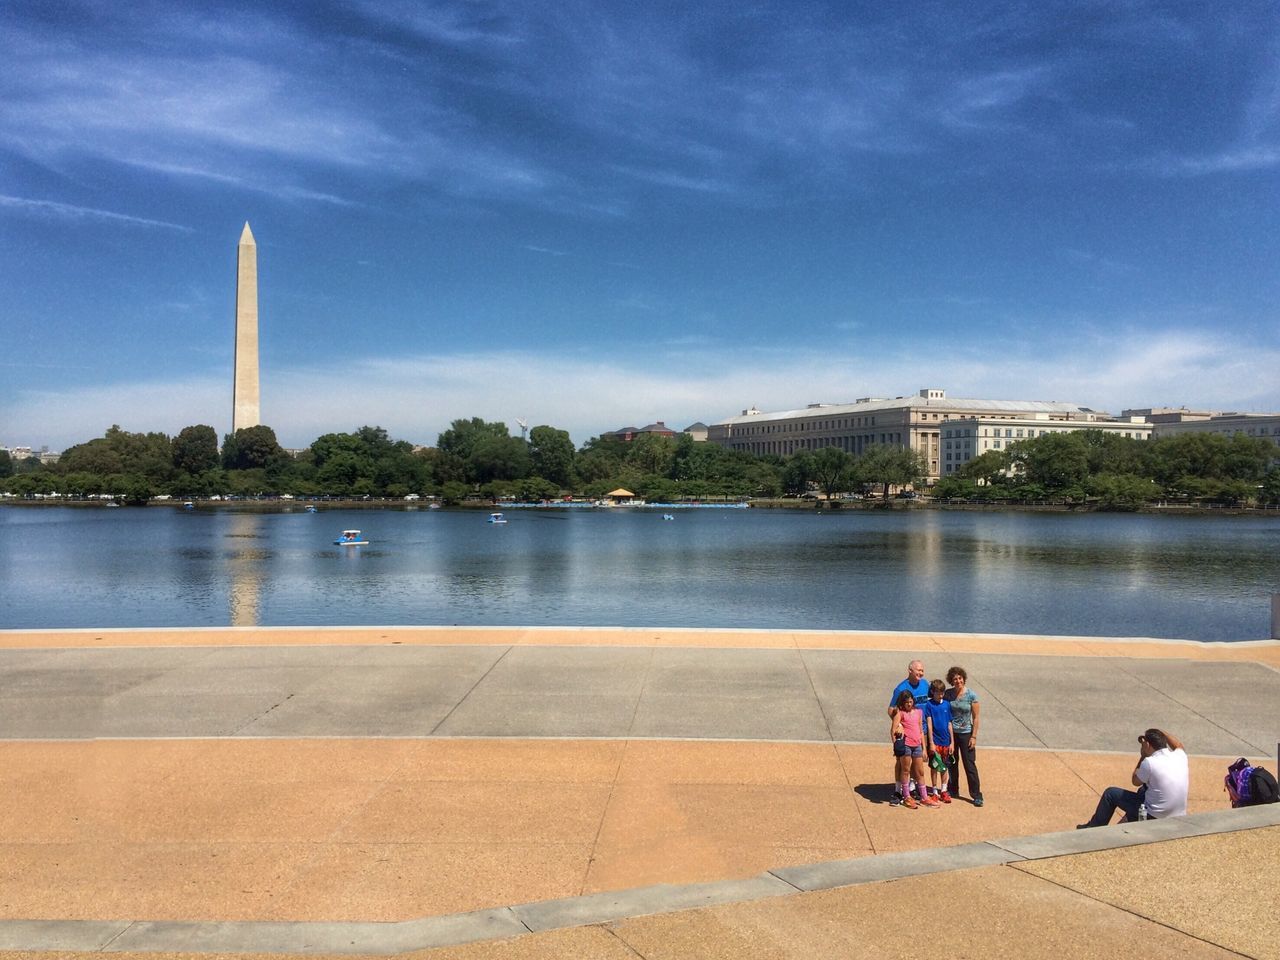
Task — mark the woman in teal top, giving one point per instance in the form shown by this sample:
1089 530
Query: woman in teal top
964 721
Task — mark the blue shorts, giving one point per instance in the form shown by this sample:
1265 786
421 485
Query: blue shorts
900 749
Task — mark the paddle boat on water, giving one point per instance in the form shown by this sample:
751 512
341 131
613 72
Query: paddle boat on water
351 538
311 508
497 518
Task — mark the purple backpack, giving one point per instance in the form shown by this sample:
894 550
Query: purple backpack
1248 785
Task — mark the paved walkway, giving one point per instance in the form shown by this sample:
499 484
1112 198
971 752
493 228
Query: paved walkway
1067 702
405 774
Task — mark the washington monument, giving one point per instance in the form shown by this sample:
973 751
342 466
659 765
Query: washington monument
246 410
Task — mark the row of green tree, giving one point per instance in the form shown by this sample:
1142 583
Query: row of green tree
1120 472
471 457
479 457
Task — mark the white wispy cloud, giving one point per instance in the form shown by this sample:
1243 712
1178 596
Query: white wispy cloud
225 112
802 101
417 397
1235 160
68 211
669 178
986 98
1256 145
1112 371
1097 262
949 300
1261 119
214 120
271 100
284 191
455 24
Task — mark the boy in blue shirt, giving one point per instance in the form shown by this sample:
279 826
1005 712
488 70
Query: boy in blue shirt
937 718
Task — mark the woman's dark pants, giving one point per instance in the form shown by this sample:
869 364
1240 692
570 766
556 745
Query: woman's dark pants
966 755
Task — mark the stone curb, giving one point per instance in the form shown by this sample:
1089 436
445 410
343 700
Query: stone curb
899 637
308 937
79 936
644 901
893 866
312 937
1069 842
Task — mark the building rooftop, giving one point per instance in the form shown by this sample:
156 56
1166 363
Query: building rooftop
860 407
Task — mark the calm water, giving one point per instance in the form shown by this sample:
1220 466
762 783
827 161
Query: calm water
1198 578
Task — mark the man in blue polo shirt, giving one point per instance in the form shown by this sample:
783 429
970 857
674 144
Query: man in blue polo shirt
918 687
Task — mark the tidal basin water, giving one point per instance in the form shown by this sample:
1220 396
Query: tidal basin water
1200 578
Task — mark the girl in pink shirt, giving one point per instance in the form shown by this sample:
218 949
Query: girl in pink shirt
906 729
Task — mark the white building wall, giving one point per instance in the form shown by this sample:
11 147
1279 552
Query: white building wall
916 421
967 438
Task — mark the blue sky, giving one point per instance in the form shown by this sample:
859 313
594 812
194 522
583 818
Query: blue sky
600 214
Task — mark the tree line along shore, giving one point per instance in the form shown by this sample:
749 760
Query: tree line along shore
477 459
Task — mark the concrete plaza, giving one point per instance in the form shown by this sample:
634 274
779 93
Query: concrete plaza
382 776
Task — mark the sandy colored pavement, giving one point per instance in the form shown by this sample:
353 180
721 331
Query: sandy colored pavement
1103 905
365 828
1260 651
1203 898
396 829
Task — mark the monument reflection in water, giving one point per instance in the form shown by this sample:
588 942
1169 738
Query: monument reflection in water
246 568
1200 578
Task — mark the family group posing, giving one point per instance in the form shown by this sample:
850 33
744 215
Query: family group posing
933 724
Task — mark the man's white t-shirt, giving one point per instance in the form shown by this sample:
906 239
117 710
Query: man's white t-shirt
1167 776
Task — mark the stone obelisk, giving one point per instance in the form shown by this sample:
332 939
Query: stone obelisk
246 411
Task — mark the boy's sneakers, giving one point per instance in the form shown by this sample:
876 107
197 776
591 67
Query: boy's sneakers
931 802
945 797
909 803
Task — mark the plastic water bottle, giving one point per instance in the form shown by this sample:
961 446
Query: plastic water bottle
1142 811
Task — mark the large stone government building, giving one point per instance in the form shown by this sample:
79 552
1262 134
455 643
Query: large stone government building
945 432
